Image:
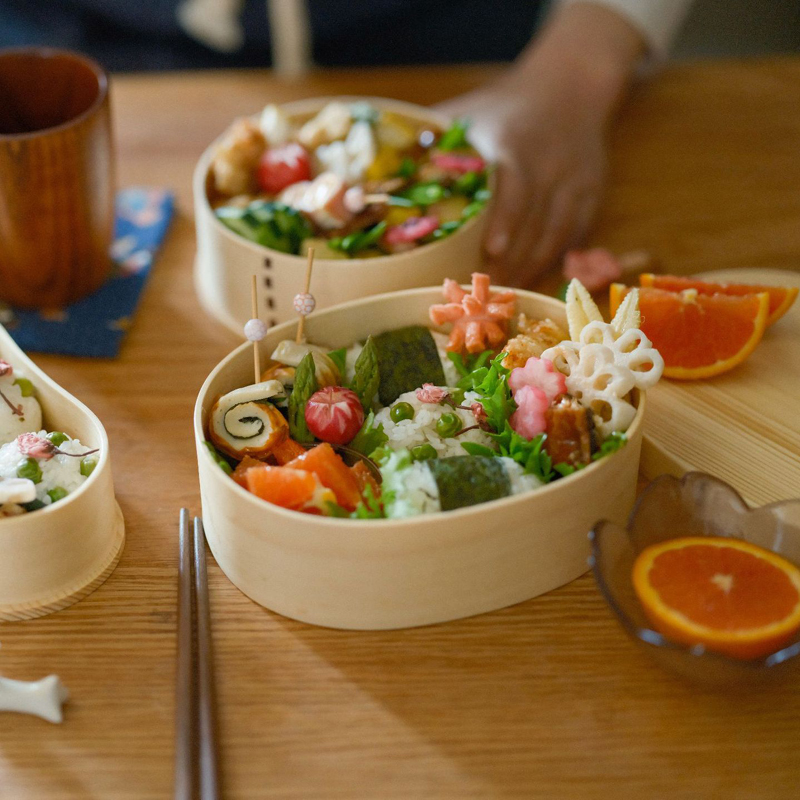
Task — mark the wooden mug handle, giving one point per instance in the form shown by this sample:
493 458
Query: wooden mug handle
56 177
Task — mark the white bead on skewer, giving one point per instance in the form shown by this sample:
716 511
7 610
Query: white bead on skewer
304 302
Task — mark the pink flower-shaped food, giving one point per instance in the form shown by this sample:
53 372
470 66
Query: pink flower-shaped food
595 269
35 446
480 318
529 419
541 374
429 393
5 368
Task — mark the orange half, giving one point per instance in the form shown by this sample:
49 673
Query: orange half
698 335
731 596
780 297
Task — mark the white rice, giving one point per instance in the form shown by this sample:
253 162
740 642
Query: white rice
411 490
410 433
60 471
12 425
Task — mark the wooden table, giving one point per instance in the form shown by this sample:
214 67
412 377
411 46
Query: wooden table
546 699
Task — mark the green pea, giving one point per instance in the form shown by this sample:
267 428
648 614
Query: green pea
30 469
57 493
57 438
25 386
401 411
87 465
422 452
448 424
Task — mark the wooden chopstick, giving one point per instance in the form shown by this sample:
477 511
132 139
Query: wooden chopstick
196 761
185 692
206 713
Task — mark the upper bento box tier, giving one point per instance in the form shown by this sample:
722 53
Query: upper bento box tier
57 554
226 260
395 573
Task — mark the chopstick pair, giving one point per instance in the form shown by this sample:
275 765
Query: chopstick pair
196 762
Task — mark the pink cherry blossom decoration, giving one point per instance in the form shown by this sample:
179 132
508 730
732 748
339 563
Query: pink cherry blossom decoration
30 444
541 374
480 318
5 368
429 393
529 418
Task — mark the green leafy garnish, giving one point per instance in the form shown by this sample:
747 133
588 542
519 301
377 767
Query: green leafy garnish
424 194
561 292
475 449
495 394
367 377
305 384
271 224
455 136
370 437
370 506
529 453
465 368
469 183
564 469
407 168
339 357
612 443
219 458
359 240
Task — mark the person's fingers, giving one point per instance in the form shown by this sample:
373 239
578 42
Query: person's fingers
504 215
560 227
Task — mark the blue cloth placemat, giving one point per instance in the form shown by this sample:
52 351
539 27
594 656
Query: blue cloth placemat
96 325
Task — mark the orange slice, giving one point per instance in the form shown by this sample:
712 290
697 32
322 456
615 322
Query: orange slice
699 335
780 297
731 596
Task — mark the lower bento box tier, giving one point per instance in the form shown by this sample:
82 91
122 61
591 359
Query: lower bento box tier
400 573
226 261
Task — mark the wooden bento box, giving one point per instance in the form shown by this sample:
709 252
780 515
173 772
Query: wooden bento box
55 556
225 261
386 574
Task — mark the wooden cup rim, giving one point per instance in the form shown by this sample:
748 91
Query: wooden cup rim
86 61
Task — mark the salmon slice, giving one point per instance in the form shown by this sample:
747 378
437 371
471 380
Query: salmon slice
288 488
332 472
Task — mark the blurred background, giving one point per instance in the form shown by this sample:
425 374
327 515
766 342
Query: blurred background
143 35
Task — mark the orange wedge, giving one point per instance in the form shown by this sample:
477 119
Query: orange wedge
731 596
780 297
699 335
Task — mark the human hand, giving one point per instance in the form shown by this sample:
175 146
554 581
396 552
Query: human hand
544 125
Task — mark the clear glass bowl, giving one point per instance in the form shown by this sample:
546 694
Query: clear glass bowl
695 505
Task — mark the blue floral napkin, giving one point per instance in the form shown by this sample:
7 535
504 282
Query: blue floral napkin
96 325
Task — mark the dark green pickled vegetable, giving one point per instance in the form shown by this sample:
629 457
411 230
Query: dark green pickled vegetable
407 358
423 452
359 240
469 480
449 424
271 224
305 384
30 469
424 194
57 438
401 411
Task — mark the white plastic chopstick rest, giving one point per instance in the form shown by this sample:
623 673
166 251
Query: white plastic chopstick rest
42 698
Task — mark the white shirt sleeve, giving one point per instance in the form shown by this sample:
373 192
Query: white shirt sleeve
658 20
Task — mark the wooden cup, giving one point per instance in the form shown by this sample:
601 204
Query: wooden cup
56 177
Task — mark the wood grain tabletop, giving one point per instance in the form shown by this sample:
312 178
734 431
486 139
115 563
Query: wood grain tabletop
543 700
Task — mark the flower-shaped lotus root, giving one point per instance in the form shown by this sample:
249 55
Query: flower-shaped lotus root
480 318
597 382
632 350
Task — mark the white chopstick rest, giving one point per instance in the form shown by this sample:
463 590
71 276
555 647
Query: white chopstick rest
42 698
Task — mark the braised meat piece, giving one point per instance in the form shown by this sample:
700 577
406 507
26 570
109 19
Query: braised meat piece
570 433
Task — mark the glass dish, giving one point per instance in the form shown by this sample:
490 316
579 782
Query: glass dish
695 505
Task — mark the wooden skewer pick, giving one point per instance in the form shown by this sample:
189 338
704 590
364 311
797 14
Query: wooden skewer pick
256 354
304 303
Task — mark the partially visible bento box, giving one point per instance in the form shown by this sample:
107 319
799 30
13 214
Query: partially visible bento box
226 260
396 573
61 530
